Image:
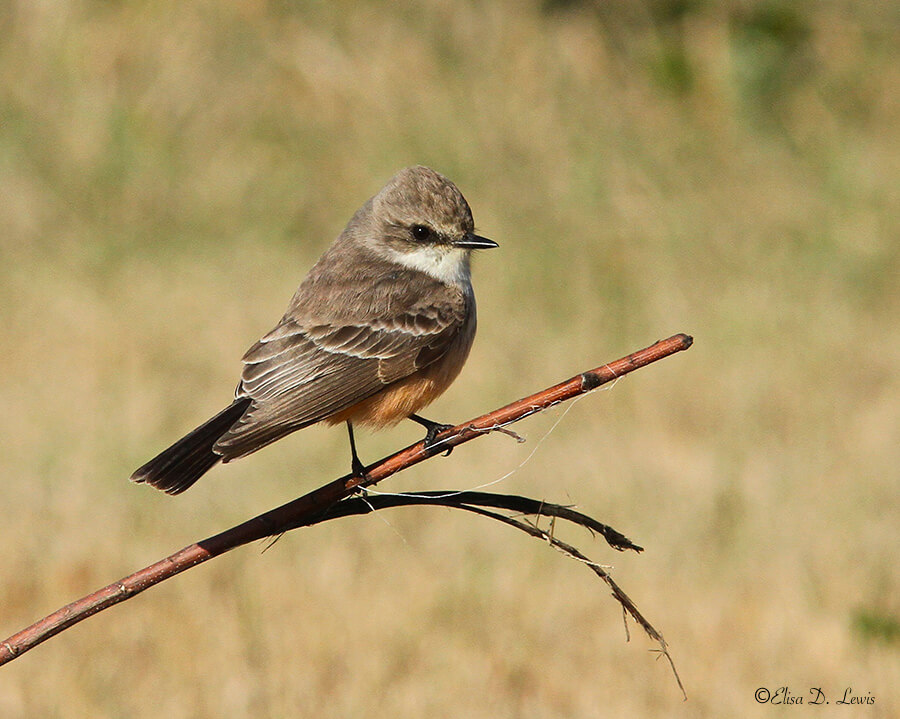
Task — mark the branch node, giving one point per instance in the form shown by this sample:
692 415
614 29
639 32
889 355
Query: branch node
590 381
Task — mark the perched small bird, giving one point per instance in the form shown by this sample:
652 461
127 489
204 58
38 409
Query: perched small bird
378 329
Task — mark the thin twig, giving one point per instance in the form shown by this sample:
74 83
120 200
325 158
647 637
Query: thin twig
461 500
299 511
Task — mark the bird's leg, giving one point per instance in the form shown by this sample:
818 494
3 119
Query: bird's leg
433 429
357 467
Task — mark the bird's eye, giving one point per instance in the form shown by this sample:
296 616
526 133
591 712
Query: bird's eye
420 232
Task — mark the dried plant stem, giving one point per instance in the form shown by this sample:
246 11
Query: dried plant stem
313 507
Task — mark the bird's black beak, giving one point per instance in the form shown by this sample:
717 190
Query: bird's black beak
474 242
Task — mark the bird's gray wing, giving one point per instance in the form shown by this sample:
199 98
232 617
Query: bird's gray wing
297 375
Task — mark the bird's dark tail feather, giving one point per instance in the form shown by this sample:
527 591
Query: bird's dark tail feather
175 469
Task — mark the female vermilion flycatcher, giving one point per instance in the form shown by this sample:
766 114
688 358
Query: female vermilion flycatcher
378 329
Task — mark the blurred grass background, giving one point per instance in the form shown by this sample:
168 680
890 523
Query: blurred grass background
169 171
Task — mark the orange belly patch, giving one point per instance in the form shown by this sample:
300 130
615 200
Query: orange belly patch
393 404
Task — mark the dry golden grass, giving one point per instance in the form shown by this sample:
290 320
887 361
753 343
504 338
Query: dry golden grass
170 170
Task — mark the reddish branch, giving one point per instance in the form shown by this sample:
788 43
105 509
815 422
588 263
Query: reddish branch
311 507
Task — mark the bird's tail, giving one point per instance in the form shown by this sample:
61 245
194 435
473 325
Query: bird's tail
175 469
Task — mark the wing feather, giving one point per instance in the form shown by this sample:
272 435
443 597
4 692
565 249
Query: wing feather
298 375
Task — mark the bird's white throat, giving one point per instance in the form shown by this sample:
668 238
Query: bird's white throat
447 265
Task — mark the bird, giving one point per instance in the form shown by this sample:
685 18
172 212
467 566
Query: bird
380 326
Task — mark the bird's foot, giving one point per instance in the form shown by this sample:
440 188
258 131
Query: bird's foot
431 435
358 469
432 430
